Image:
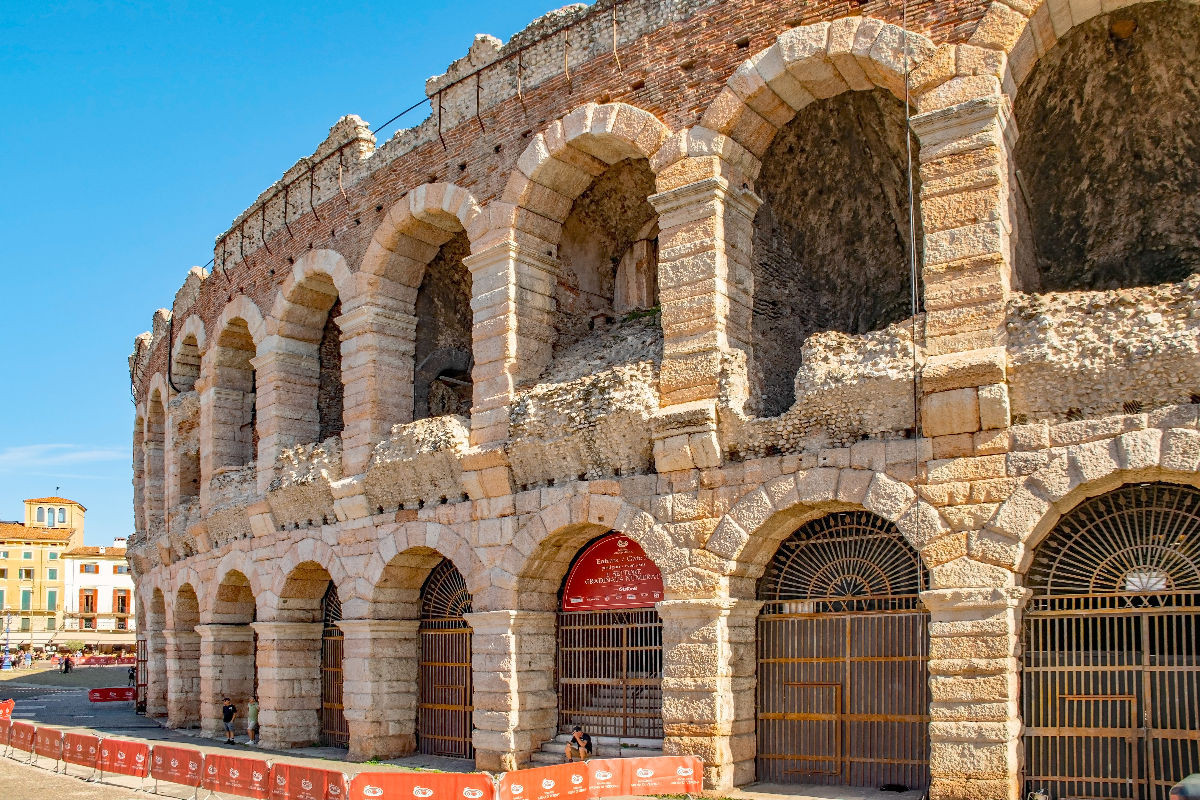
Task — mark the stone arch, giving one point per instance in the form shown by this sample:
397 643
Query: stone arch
156 609
531 573
318 279
184 613
228 418
185 354
305 571
242 308
139 468
391 583
412 230
234 600
1009 538
154 443
747 536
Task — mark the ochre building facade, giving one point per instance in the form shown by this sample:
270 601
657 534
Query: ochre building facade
812 387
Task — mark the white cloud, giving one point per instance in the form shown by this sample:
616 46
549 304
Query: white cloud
30 458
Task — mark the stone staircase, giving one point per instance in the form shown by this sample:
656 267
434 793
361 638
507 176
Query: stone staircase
604 746
605 703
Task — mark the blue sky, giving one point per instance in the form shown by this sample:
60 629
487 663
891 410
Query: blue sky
131 134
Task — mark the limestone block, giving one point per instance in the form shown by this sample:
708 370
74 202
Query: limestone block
957 445
853 484
955 411
840 49
966 572
1094 461
817 485
999 29
994 409
1020 514
1139 450
887 497
1181 450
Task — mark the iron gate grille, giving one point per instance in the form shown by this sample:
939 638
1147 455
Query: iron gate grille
140 702
335 732
610 672
843 679
445 707
1111 672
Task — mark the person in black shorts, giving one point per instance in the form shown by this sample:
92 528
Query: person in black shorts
579 743
228 712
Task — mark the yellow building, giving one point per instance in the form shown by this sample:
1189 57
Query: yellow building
32 573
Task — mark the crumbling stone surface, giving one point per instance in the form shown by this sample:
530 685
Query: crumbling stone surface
443 345
419 463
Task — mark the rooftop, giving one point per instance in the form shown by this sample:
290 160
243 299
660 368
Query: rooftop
18 530
54 500
90 551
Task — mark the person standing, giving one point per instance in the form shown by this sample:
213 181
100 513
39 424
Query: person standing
252 720
580 743
228 712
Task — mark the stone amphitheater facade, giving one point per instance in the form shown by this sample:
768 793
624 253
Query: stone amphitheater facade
647 268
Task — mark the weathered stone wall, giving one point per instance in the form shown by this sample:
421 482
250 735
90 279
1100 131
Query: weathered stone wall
329 382
443 345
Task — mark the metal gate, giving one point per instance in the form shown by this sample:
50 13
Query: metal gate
444 705
140 702
610 672
335 732
1111 672
843 692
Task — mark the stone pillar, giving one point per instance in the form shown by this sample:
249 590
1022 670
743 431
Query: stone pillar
380 691
181 654
516 701
226 661
155 485
287 375
706 290
289 686
974 681
708 685
157 678
512 287
378 346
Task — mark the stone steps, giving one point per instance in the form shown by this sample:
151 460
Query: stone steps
604 747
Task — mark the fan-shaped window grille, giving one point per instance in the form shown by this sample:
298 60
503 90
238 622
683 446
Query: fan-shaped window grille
1139 545
847 561
331 606
445 594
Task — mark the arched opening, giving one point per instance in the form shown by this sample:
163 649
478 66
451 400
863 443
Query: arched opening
442 372
609 654
335 732
154 444
843 647
152 678
139 475
1111 656
831 238
444 700
41 514
183 661
62 516
1108 158
185 364
232 645
608 254
330 392
233 429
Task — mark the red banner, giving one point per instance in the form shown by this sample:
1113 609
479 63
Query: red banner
421 786
6 708
113 694
665 775
82 749
613 572
124 757
21 736
104 661
546 783
245 777
48 742
180 765
294 782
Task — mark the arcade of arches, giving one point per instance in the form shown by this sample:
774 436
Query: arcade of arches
826 408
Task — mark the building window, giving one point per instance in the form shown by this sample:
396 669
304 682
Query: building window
41 514
87 601
89 569
122 625
27 555
25 574
52 556
3 554
26 624
52 574
121 602
120 569
1 598
89 623
26 600
62 515
49 623
52 600
3 573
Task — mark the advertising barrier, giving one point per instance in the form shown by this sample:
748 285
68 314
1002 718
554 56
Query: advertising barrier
82 749
104 661
294 782
422 786
180 765
6 708
245 777
545 783
664 775
124 757
21 736
48 742
115 694
5 724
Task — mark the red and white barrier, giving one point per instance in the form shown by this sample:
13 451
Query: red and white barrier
422 786
20 736
81 749
559 782
124 757
294 782
112 695
181 765
244 777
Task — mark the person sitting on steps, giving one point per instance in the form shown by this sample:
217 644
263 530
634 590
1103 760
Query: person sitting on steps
579 742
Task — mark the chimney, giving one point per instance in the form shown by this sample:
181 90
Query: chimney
101 550
119 541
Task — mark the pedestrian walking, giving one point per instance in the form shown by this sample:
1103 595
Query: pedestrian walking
579 743
228 712
252 720
132 676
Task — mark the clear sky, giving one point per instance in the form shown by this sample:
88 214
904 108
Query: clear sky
131 134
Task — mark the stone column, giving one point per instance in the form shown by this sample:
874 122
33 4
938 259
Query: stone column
287 375
706 290
974 681
155 485
289 686
181 654
378 346
515 699
708 685
157 678
380 691
226 661
512 287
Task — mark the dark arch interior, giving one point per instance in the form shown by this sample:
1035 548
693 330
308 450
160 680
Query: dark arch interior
442 376
1109 152
831 243
330 391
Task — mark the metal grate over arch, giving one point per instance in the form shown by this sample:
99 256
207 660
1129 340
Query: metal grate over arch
444 702
445 594
843 642
335 731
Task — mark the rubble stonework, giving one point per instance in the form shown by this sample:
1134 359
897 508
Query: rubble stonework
705 374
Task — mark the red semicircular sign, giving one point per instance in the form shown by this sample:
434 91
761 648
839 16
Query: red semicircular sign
613 572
